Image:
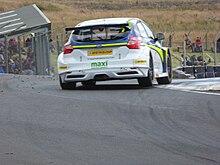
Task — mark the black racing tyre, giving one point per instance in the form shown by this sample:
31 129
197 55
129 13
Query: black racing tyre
67 85
88 83
147 81
168 79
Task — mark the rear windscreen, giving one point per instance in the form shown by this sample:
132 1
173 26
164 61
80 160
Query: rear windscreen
97 33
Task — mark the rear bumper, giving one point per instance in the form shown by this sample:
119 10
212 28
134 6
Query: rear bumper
104 74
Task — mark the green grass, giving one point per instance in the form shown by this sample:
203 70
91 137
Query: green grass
53 62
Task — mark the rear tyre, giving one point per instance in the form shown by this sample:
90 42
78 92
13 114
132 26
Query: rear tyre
67 85
147 81
168 79
88 83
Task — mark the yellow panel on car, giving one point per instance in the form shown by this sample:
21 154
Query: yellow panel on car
100 52
63 67
140 61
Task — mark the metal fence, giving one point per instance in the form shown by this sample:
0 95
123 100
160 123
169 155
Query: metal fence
24 41
31 53
200 53
25 54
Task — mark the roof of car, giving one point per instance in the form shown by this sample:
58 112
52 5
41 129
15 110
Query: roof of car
106 21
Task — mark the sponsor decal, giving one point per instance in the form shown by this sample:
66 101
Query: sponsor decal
99 64
140 61
99 52
63 67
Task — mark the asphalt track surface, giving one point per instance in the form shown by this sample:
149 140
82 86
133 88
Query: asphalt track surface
110 124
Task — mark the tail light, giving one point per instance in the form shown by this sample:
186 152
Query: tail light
133 43
68 48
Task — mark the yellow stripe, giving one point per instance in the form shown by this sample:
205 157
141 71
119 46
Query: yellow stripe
116 44
158 50
129 25
103 45
84 46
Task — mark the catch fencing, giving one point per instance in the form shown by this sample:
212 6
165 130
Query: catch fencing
199 59
203 48
25 54
24 41
36 53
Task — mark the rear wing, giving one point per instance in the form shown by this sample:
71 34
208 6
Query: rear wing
86 27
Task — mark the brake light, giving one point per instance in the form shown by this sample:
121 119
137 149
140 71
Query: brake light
68 48
133 43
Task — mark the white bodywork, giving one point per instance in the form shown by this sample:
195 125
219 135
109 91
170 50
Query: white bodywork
122 63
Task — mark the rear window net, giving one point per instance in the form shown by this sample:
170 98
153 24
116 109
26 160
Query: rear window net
101 32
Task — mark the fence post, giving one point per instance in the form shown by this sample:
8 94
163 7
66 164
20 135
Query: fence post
206 41
62 39
215 47
203 63
184 52
215 52
19 52
58 45
170 41
34 48
48 54
6 55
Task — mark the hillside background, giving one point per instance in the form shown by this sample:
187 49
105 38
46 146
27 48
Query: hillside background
178 17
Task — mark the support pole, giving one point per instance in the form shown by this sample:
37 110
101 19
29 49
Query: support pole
184 52
206 41
58 45
19 52
6 55
215 52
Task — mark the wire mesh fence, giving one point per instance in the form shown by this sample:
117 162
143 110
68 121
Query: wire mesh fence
25 54
36 53
195 53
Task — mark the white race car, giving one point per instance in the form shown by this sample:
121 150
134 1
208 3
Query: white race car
113 49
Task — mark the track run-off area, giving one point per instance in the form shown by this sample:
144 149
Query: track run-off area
115 122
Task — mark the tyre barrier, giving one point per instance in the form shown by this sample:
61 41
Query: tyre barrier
202 71
217 71
189 70
210 72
